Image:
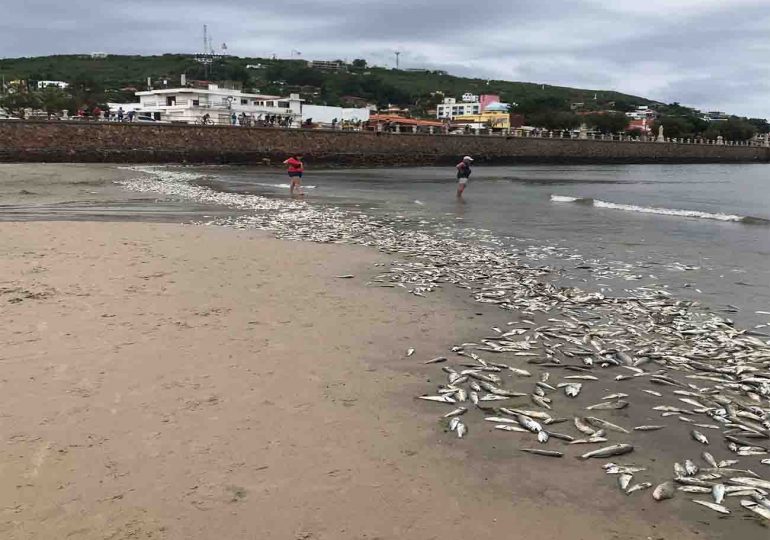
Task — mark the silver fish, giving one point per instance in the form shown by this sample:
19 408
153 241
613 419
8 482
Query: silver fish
756 508
457 412
752 482
691 468
614 396
440 399
591 440
598 422
509 427
694 489
716 507
638 487
527 423
436 360
409 352
461 430
542 437
583 427
543 452
708 458
624 480
698 436
453 423
614 450
718 492
653 393
608 405
663 491
648 428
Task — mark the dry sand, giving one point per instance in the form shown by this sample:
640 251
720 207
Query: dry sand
182 382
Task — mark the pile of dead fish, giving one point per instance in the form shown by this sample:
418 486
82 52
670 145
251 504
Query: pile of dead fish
704 379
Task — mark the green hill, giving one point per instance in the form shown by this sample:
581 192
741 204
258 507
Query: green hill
378 85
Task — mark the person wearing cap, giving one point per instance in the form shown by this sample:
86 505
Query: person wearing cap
463 174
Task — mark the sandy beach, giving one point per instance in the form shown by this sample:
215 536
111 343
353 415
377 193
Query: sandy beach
189 382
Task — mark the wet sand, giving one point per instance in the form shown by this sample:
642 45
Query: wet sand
170 381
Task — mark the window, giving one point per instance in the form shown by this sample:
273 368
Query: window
170 101
244 102
196 102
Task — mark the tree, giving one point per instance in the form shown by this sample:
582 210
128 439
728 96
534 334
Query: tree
554 120
359 63
54 100
608 123
760 124
17 103
736 129
675 127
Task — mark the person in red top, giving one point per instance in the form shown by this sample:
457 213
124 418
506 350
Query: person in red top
295 170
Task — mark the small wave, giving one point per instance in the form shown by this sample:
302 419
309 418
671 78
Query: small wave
718 216
286 186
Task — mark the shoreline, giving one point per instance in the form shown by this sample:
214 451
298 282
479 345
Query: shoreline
480 485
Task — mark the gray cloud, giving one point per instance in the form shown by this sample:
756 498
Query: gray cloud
711 54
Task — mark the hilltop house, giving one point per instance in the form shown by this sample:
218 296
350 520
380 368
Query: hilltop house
189 105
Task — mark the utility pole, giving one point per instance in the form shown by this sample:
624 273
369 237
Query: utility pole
397 53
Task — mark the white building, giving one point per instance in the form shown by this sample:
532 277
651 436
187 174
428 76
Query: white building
470 98
189 105
642 112
450 108
57 84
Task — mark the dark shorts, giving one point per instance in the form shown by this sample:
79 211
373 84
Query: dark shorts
295 174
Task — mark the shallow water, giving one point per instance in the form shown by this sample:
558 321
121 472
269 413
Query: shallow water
677 225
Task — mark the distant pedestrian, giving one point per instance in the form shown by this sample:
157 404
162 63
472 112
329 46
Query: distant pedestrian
295 170
463 174
234 119
120 114
131 115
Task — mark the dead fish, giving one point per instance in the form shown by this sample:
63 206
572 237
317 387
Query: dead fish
543 452
716 507
607 451
436 360
582 378
542 437
718 492
537 400
727 463
459 411
453 423
461 430
648 428
572 390
698 436
708 458
493 397
756 508
604 424
520 372
501 420
590 440
510 427
638 487
474 396
752 482
664 491
583 427
345 276
624 480
608 405
527 423
694 489
653 393
614 396
440 399
691 468
409 352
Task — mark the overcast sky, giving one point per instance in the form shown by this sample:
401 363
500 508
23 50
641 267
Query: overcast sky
711 54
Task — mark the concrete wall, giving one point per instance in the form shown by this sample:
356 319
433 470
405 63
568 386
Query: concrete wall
151 143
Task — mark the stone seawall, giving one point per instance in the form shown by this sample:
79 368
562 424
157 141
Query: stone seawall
155 143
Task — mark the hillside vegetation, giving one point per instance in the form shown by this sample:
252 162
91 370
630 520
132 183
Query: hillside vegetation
115 78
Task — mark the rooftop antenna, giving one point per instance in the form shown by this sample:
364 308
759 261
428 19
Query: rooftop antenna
205 38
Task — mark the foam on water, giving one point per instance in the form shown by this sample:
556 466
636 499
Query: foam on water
698 214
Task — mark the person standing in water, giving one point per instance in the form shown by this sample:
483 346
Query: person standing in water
295 170
463 174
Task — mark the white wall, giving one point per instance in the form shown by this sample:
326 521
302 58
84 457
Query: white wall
324 115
